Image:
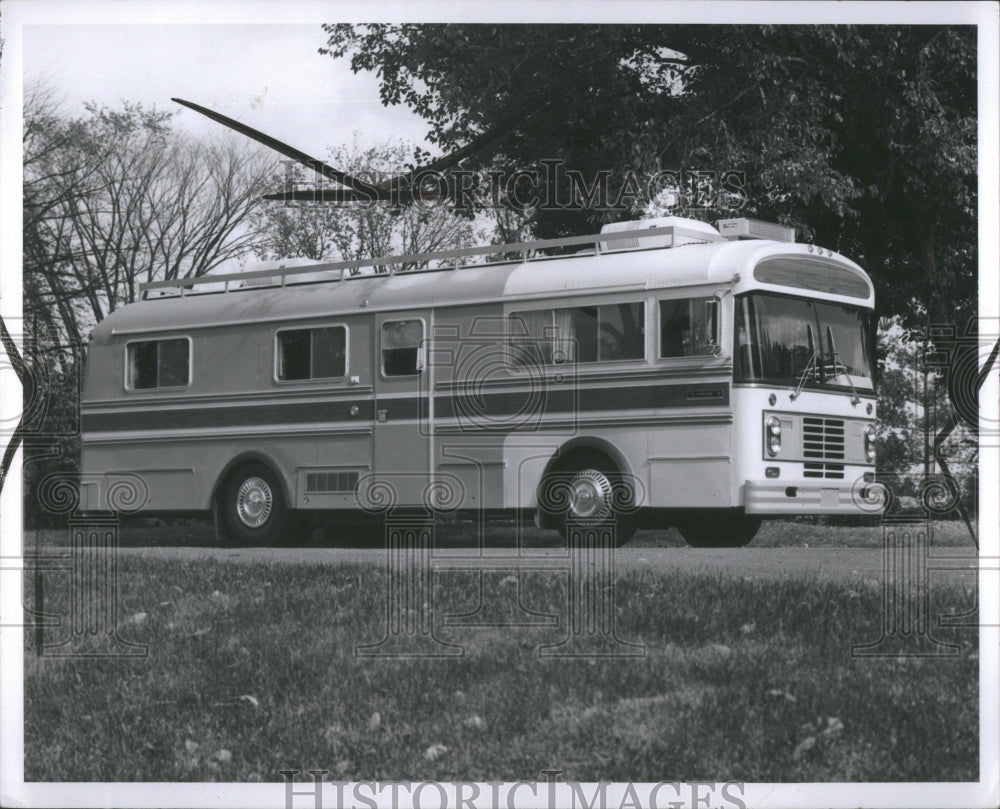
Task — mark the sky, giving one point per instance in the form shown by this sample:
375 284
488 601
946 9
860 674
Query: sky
257 60
270 77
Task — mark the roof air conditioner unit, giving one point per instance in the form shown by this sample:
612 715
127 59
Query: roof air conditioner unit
755 229
689 231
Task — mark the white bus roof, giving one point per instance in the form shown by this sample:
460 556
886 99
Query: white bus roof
728 264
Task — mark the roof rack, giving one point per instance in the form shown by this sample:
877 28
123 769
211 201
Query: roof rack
598 242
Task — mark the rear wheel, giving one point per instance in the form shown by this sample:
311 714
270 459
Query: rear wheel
250 509
719 528
587 490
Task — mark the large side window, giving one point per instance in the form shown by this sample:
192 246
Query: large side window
401 347
159 364
531 335
312 353
621 332
580 334
689 327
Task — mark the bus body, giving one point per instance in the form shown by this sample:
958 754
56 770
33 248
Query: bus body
665 374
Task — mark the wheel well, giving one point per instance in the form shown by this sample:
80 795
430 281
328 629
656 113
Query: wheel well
593 446
567 456
247 458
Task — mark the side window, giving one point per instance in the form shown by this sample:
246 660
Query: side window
401 349
312 353
689 327
581 334
159 364
530 338
621 332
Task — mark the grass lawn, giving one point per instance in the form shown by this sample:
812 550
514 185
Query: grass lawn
251 669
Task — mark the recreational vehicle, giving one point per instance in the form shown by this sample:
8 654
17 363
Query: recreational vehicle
662 372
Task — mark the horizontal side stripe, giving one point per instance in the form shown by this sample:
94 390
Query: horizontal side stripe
574 399
459 426
233 416
491 405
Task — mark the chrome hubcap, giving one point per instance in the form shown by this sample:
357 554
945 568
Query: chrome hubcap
590 495
254 502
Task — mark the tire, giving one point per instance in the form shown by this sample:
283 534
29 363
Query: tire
581 490
250 508
721 528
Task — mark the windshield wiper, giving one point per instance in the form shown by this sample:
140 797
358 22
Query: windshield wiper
838 364
812 361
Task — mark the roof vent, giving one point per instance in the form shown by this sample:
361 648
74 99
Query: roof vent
687 231
755 229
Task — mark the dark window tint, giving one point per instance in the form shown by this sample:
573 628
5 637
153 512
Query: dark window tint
312 353
401 347
581 334
688 327
621 332
792 341
159 364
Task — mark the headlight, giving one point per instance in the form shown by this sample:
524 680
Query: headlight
773 436
870 442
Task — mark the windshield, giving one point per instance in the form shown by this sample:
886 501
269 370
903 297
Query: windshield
786 341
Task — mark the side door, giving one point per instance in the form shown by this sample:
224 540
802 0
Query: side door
402 455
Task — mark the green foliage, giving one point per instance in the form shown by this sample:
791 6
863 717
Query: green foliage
350 232
863 136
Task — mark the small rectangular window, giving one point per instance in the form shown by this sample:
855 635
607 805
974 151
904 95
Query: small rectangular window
688 327
401 347
159 364
312 353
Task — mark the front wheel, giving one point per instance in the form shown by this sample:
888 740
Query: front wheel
590 492
719 528
250 509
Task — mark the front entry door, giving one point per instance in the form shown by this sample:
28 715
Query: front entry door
402 435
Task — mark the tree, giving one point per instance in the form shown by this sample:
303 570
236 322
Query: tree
111 198
351 232
913 407
117 197
862 136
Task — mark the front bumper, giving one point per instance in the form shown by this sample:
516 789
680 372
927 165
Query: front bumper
813 497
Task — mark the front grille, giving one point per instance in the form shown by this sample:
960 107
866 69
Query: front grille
824 470
823 439
325 482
